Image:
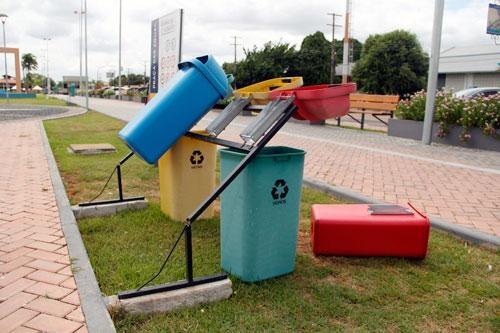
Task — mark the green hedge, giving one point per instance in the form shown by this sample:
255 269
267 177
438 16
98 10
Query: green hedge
480 112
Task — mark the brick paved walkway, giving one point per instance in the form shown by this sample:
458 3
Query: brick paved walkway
37 289
459 185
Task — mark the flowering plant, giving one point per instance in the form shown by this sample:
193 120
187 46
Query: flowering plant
481 112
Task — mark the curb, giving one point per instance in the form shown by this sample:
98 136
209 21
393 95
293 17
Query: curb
107 209
471 235
96 314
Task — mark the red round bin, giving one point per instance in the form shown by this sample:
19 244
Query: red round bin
319 102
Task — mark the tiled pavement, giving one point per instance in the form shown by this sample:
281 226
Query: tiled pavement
459 193
459 185
37 289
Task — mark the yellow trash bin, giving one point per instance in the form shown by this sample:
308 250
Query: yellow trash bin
187 176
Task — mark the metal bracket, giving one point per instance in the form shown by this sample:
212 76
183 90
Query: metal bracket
281 115
227 115
120 188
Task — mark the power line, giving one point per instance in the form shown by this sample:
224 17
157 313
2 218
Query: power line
333 52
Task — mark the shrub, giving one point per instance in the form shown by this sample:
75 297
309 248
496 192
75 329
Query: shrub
480 112
108 92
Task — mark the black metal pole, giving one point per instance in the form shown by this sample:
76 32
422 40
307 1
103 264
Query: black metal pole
189 253
239 168
123 160
119 175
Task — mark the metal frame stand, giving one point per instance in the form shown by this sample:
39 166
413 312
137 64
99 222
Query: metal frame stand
374 115
120 188
252 152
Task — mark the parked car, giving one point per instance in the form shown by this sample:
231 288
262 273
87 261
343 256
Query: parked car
476 92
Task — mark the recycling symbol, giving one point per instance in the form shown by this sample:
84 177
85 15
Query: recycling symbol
280 189
196 157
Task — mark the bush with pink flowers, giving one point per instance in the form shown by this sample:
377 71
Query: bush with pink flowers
480 112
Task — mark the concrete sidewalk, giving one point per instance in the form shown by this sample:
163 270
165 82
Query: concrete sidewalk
38 292
458 185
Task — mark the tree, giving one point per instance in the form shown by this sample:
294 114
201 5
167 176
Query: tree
314 56
391 63
273 60
130 80
28 63
357 47
35 79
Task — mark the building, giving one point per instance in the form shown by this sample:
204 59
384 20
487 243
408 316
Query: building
11 82
69 80
469 67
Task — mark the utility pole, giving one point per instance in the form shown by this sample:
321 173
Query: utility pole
235 44
334 52
347 37
120 53
433 71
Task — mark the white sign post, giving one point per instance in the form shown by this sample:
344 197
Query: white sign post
166 49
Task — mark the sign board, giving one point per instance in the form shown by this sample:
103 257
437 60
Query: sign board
166 47
493 25
110 75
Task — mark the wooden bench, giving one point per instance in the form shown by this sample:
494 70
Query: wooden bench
375 105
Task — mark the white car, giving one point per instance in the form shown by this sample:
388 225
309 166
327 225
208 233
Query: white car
476 92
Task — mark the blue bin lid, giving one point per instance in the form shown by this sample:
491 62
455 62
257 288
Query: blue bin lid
212 71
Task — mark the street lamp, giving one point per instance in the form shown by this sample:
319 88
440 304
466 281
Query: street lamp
47 39
80 13
120 54
3 18
86 61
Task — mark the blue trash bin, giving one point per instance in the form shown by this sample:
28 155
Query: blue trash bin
260 213
193 90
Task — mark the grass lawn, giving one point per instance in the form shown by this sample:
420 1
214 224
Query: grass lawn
39 100
84 176
451 290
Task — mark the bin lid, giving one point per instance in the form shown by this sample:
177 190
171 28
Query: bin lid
273 151
213 73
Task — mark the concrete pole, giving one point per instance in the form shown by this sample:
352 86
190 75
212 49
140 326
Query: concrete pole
86 63
120 53
433 71
347 35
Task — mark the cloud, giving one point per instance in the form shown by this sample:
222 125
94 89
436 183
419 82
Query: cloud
209 25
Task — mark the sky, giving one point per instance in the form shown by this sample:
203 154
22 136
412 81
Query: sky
209 25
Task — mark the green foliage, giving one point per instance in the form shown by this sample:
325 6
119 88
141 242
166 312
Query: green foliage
273 60
40 99
480 112
130 80
108 92
339 50
312 61
451 290
29 62
35 79
314 57
391 63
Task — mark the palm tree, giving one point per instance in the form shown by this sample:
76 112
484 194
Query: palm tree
28 63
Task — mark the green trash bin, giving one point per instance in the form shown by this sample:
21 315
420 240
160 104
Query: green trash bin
260 213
